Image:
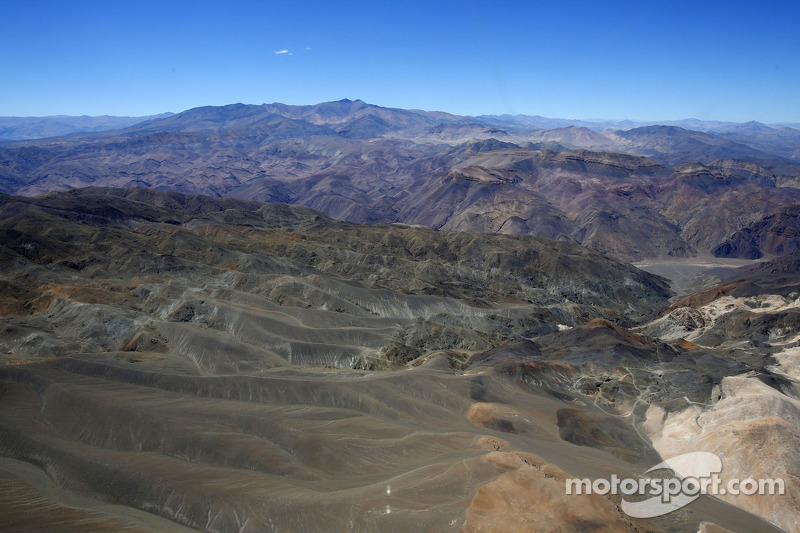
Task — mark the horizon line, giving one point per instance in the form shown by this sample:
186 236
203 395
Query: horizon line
594 120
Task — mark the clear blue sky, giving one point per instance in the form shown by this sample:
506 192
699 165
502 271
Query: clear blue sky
646 60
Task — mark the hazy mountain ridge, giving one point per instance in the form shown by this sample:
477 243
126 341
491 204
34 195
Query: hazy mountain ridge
23 128
341 113
541 122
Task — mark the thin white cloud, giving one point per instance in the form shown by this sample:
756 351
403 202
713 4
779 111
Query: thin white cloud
308 48
281 52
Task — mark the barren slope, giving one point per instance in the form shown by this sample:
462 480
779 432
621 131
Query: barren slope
174 361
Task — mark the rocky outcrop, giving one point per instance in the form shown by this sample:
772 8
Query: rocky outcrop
749 419
775 234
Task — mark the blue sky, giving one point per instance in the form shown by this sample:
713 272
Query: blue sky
643 60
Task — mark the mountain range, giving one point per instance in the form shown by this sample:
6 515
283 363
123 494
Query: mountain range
641 193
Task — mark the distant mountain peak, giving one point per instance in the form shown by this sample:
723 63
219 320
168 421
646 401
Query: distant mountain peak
671 130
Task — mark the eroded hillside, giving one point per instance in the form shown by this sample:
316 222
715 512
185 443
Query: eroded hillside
235 285
175 361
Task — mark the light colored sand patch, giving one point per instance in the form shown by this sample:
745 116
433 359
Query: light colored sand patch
788 363
482 414
530 496
690 275
485 442
753 429
708 527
